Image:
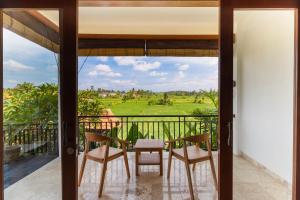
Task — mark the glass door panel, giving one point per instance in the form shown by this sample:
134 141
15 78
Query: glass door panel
32 165
264 72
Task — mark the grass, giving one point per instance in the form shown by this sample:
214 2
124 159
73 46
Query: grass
153 127
182 105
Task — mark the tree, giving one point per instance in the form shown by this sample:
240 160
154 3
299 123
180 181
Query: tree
212 95
89 103
209 122
163 101
30 104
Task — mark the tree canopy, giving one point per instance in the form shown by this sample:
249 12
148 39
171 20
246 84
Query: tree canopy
38 104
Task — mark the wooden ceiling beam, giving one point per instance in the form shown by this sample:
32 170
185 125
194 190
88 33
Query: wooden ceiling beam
110 43
183 44
53 4
42 26
43 19
20 29
147 44
37 23
269 4
149 3
149 37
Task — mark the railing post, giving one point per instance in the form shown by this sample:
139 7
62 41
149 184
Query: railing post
184 133
10 135
206 125
42 138
126 127
158 130
211 134
179 127
153 125
56 141
122 126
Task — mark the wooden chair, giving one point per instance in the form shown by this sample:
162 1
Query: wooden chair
102 154
192 155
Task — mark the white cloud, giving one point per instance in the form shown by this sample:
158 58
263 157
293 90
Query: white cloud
104 70
181 74
102 58
123 82
203 61
13 65
138 63
202 73
188 85
183 67
16 46
125 61
146 66
93 73
12 81
211 61
158 74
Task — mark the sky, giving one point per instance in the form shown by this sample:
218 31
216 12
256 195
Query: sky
25 61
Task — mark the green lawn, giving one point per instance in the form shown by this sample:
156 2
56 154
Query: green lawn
181 106
165 128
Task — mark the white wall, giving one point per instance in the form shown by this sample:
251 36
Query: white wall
265 64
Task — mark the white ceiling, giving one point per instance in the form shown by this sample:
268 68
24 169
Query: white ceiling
145 20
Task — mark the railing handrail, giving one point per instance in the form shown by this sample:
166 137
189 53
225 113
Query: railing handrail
130 127
31 124
111 116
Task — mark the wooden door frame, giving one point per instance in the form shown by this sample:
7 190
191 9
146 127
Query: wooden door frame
1 108
68 9
68 81
227 8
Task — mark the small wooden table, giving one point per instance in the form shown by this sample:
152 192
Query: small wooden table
150 158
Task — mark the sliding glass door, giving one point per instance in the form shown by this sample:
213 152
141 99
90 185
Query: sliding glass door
31 52
38 57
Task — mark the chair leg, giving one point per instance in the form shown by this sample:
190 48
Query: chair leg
169 164
188 173
126 165
81 170
212 166
102 178
194 166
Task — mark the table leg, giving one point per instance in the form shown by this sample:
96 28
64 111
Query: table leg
161 162
137 153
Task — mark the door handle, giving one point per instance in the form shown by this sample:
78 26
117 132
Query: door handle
229 126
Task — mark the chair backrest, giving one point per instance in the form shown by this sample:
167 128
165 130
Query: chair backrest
199 139
92 137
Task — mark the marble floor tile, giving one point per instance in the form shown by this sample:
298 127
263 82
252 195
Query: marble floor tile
250 183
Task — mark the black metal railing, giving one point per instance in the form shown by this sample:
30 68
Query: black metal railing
33 138
165 127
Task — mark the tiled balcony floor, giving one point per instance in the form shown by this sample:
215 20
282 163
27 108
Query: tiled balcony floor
250 183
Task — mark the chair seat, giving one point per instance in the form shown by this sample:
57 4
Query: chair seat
194 153
99 153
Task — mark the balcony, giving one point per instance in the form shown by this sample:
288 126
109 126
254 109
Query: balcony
250 181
